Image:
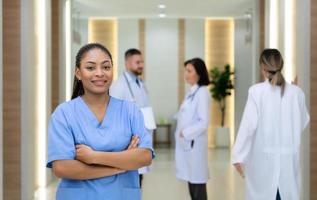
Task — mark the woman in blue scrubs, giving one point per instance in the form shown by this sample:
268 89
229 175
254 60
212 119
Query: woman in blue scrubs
96 142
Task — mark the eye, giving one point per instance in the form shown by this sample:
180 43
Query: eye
90 68
107 67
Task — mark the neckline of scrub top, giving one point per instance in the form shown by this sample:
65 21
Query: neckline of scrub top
93 117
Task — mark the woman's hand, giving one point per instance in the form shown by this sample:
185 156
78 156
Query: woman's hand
240 168
120 171
134 142
181 134
84 153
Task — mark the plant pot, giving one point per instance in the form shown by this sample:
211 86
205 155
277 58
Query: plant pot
222 137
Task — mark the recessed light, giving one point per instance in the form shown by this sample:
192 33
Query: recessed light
161 6
162 15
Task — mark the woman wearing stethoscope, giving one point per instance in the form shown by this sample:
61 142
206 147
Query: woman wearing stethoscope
191 131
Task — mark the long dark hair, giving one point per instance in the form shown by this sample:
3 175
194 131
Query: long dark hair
201 70
78 89
272 62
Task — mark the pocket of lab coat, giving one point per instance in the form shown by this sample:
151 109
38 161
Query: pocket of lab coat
185 144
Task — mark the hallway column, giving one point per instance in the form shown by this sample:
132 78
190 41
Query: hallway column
313 99
1 109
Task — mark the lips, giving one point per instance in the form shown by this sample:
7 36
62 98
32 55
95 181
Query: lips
99 82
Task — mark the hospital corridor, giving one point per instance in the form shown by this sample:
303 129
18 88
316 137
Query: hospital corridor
158 100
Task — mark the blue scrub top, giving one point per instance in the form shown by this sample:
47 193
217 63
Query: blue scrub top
74 123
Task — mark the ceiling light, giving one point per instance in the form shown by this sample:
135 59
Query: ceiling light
162 15
161 6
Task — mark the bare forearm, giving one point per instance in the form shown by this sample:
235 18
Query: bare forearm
74 169
128 160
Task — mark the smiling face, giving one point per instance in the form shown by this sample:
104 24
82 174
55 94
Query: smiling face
191 76
95 72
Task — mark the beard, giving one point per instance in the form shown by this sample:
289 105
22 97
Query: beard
137 72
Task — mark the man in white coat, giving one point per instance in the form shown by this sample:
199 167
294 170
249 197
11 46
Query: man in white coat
130 87
266 152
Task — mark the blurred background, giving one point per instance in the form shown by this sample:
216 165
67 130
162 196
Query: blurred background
40 39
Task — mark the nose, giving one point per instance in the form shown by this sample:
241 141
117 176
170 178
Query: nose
99 72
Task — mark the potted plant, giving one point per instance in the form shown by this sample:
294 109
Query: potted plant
221 88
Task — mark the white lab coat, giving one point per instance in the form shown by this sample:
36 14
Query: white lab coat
192 121
120 90
268 141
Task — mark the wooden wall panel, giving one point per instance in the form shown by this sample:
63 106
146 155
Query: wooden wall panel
181 60
105 31
11 100
55 54
142 43
220 51
313 105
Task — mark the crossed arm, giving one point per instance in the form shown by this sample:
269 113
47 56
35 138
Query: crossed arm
90 164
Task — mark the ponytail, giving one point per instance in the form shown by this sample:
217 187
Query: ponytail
78 88
278 79
272 62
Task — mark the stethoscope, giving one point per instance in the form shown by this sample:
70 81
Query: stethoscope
191 96
129 86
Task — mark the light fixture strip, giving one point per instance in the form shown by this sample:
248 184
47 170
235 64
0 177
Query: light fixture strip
289 39
68 39
41 91
273 37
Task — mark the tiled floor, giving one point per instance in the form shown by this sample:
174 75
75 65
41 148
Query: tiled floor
225 183
161 184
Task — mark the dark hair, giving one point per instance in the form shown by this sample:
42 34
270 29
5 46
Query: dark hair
272 62
131 52
201 70
78 89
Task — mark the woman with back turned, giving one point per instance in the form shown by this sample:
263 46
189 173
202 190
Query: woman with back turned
266 152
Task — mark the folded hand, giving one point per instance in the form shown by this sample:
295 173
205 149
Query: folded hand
84 153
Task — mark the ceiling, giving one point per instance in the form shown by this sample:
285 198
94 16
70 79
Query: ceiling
149 8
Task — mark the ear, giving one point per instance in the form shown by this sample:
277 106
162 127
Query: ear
127 62
77 73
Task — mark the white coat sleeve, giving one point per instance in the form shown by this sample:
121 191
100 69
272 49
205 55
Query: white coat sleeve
304 114
203 113
246 131
116 89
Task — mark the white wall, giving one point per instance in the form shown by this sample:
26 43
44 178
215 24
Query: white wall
128 37
194 38
62 52
79 26
1 113
29 118
255 40
28 86
162 65
243 67
303 72
194 41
